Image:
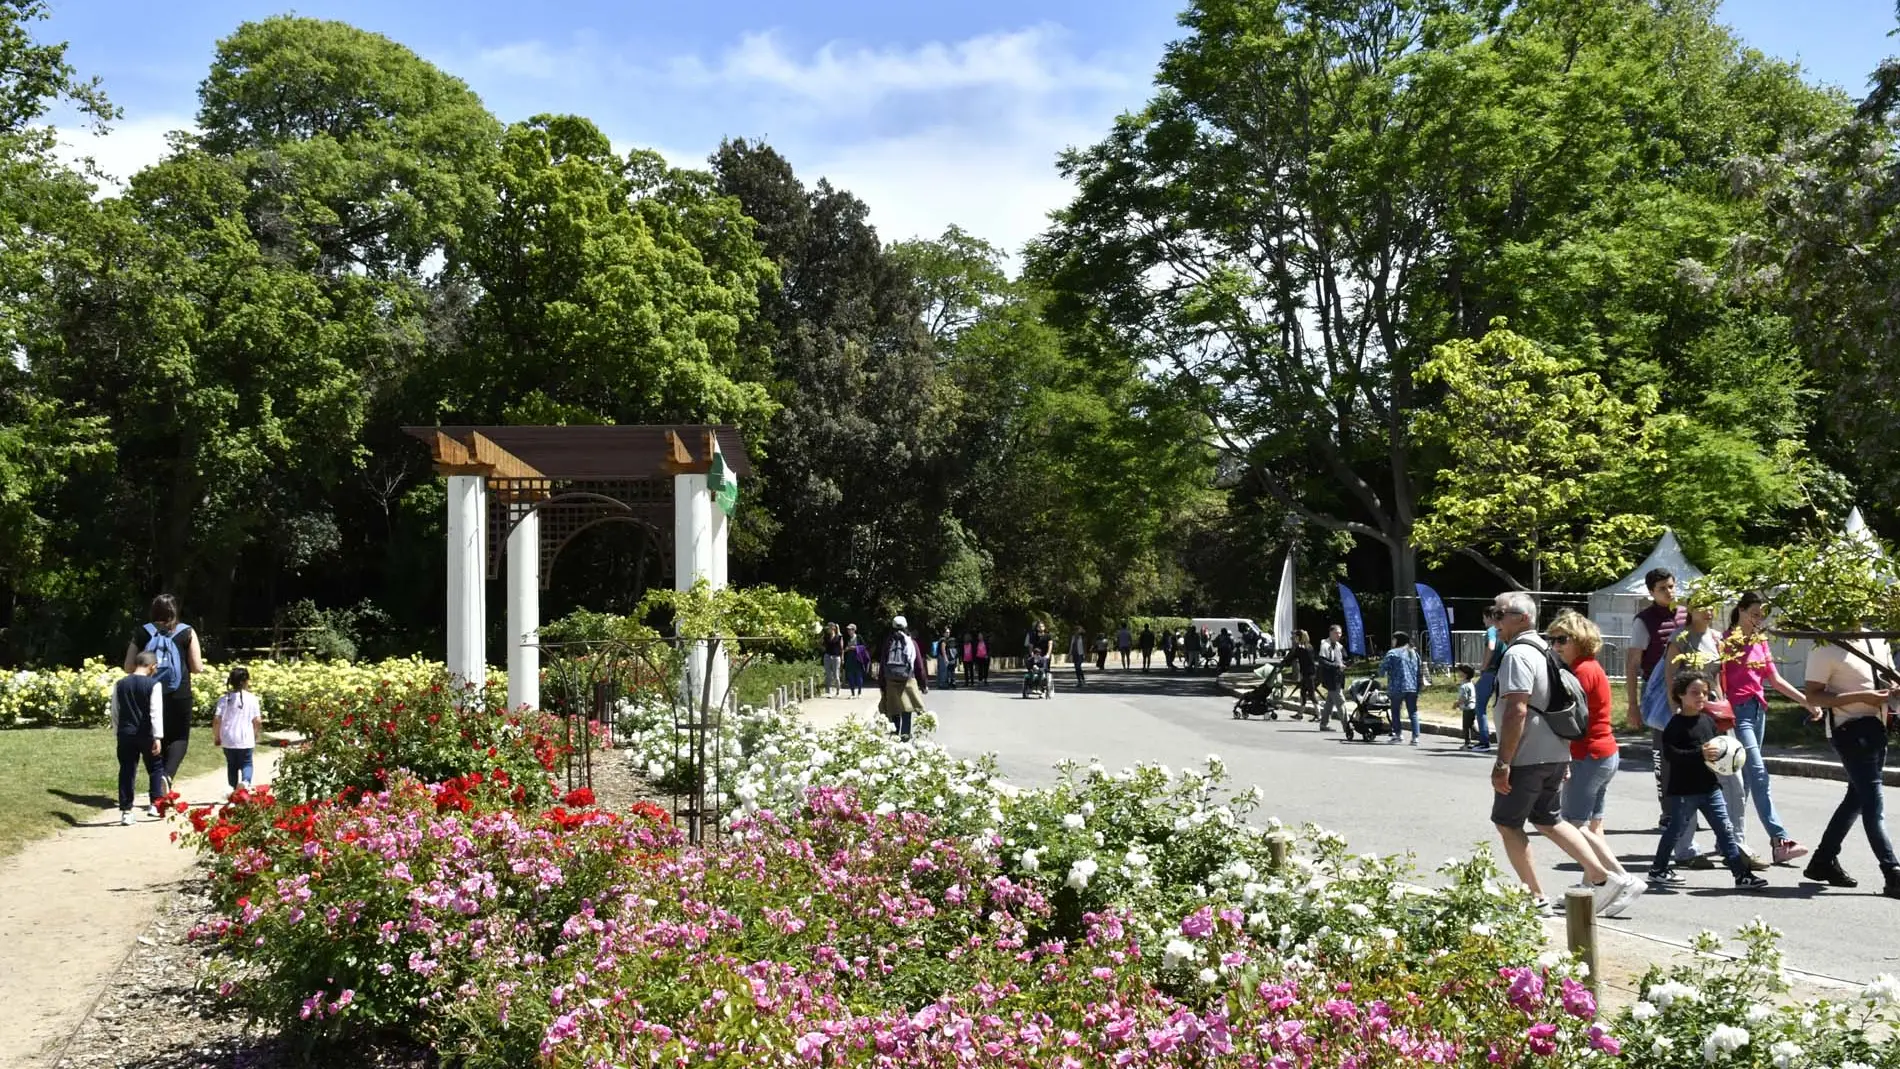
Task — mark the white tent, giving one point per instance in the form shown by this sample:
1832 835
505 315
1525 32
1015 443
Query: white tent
1615 605
1283 607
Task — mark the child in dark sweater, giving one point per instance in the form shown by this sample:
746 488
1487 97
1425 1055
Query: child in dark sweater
1691 785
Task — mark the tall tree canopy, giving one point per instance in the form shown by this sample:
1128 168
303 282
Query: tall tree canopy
1320 193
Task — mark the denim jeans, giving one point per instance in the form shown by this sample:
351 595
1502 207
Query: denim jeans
1587 788
1487 689
1861 744
1679 821
1410 701
131 752
1659 760
1751 719
237 765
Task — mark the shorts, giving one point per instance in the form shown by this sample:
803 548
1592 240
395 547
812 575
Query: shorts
1535 790
1587 790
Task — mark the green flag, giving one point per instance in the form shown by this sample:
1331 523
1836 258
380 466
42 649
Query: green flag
723 484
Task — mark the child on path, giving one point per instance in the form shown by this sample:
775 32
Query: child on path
235 725
1402 671
138 722
1689 740
1467 701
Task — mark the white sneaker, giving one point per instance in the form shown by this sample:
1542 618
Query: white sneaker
1633 887
1605 894
125 818
151 811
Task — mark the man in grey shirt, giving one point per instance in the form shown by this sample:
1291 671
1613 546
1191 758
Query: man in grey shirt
1533 762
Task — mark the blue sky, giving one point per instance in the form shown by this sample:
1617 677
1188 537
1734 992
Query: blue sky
933 113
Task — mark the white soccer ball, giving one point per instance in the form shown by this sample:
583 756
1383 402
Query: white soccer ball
1729 756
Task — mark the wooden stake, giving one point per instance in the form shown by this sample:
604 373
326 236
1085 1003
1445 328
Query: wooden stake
1580 922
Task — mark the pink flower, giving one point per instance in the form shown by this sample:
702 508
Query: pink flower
1601 1039
1199 924
1543 1038
1578 1001
811 1044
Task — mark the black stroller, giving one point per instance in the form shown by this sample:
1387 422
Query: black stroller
1368 710
1264 699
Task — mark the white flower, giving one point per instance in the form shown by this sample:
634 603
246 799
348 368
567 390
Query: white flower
1884 991
1725 1040
1643 1010
1178 951
1855 1065
1758 1013
1088 809
1669 992
1081 872
1485 931
1073 820
1785 1054
1661 1045
1208 976
1135 859
1358 909
1030 863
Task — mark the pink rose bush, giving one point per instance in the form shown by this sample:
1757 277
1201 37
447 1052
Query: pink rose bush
880 904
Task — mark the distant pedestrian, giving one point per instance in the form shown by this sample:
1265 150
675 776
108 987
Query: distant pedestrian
1488 680
138 725
1593 758
1467 702
968 659
1170 642
235 726
1845 686
982 659
1402 672
947 660
175 646
1689 740
1748 670
834 659
1191 648
1147 644
1307 665
857 660
1527 779
1124 644
1650 632
902 677
1224 647
1078 653
1249 644
1332 675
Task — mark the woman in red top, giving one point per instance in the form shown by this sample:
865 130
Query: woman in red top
1593 758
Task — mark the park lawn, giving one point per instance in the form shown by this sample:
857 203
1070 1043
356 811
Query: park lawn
52 778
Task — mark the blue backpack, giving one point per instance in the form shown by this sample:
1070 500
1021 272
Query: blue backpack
171 660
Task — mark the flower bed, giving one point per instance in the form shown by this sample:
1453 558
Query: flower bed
295 694
882 904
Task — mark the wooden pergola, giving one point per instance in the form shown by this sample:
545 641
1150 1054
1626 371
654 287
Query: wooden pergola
533 490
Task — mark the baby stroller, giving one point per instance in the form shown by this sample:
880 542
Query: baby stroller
1036 677
1368 710
1264 699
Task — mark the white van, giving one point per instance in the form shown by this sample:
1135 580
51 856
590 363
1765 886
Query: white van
1236 626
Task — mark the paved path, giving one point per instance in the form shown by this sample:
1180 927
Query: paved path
72 907
1432 801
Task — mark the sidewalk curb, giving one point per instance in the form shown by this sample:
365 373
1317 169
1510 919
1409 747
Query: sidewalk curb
1778 764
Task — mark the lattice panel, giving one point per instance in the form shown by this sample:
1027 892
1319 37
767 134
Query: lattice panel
568 507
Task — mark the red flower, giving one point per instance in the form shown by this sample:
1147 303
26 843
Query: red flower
579 797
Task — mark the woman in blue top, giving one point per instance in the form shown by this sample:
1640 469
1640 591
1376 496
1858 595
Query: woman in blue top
1402 670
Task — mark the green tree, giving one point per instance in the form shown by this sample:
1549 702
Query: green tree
1321 193
611 288
1542 461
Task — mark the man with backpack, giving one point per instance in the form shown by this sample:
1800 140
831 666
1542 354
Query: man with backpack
1541 708
174 646
902 677
138 723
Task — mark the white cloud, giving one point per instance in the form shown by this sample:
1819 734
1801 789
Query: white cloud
122 151
1022 61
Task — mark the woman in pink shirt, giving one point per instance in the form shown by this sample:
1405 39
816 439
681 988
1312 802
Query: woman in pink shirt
1748 670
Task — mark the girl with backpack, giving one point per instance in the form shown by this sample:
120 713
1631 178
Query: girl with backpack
175 646
235 725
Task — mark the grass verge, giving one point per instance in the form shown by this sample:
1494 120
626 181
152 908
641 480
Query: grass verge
757 682
51 778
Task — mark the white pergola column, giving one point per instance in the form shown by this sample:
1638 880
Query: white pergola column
716 575
468 578
692 560
524 613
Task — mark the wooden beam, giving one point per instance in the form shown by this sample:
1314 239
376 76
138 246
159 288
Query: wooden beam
453 458
500 462
679 460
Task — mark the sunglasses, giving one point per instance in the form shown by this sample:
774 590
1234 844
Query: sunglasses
1559 640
